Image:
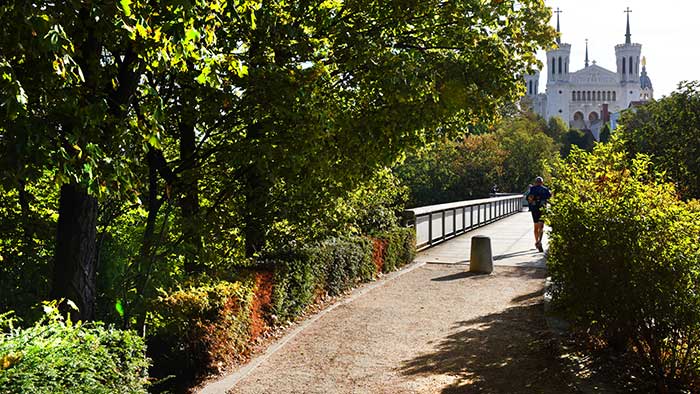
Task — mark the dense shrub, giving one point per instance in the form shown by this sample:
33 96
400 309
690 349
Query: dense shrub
332 266
625 260
199 327
56 356
349 261
400 247
297 280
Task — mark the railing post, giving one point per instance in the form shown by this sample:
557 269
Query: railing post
430 228
443 225
471 217
464 219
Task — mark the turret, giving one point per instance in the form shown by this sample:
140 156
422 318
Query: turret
645 83
627 56
532 83
558 59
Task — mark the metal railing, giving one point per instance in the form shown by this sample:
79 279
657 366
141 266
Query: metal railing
437 223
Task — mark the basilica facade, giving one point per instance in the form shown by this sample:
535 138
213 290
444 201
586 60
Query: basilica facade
584 99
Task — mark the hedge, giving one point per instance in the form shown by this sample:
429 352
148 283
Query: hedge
56 356
206 325
198 328
625 261
400 247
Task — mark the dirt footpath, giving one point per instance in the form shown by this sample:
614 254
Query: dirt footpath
436 329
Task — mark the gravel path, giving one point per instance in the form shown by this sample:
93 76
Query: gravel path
437 329
433 328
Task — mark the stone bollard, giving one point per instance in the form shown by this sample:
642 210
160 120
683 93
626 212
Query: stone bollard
481 260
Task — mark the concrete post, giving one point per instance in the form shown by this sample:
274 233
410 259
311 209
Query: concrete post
481 260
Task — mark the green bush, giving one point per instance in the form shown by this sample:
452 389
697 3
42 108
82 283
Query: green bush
400 247
349 262
198 327
625 259
298 277
667 130
332 266
56 356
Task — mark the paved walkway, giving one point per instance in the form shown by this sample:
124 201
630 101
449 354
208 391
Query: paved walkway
512 244
430 328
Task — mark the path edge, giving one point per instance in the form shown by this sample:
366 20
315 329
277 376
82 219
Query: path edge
228 381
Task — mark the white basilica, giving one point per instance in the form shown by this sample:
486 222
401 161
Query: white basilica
584 99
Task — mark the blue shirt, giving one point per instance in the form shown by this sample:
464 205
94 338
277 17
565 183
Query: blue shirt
537 196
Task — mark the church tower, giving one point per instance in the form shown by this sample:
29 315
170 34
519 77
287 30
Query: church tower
532 83
558 59
628 60
558 78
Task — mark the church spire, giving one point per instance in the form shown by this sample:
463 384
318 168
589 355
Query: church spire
586 52
558 11
628 36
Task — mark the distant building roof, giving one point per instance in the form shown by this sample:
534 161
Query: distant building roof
644 78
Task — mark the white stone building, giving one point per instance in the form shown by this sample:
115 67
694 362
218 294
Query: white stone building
585 98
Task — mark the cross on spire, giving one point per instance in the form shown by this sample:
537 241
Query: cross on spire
628 36
558 11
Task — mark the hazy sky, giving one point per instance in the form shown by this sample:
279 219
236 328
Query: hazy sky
669 32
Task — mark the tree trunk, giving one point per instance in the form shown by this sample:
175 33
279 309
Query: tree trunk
189 204
256 217
74 267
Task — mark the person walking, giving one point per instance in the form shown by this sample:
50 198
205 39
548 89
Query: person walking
537 197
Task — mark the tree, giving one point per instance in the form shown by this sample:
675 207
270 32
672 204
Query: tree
668 130
74 78
367 80
448 171
511 156
244 114
556 129
527 147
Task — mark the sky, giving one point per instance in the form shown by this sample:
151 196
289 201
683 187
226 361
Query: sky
669 32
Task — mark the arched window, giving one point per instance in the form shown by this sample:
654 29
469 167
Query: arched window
631 66
614 96
588 94
578 95
560 65
578 122
566 66
599 99
573 96
554 64
609 96
624 69
529 88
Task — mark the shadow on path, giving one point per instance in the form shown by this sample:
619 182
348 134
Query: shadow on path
459 275
515 254
506 352
520 272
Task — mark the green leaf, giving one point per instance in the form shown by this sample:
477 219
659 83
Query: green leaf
126 6
119 307
191 35
153 141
